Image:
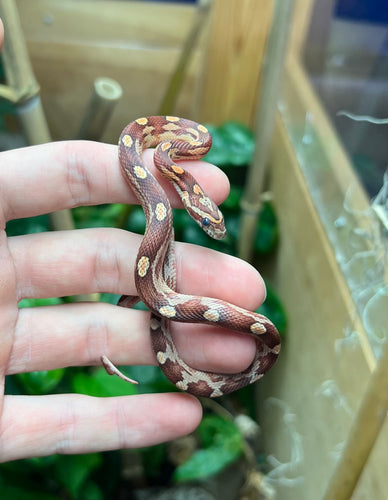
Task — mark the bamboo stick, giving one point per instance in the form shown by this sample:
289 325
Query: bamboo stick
106 93
176 81
363 433
23 90
265 118
20 78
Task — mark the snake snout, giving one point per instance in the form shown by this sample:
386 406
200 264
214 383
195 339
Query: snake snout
220 234
215 231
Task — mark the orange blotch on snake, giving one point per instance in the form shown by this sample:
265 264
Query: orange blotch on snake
197 189
140 172
127 140
172 118
165 146
211 315
185 198
143 266
176 169
257 328
181 385
160 211
161 357
167 311
202 129
142 121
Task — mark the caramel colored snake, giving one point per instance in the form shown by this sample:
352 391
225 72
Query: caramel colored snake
155 276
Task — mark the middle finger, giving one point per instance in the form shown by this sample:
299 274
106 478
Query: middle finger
64 335
102 260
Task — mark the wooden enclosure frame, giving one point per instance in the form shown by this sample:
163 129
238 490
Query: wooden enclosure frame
319 388
309 401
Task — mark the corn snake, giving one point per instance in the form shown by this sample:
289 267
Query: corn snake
155 276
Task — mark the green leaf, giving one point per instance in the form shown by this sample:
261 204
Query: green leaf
241 142
202 464
101 384
274 310
140 306
232 202
136 221
41 462
40 382
153 458
151 379
192 233
223 444
97 216
233 225
90 491
39 302
217 430
180 219
219 152
16 493
267 230
233 144
145 374
110 298
29 225
72 471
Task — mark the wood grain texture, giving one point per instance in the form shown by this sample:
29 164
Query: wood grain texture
300 25
232 68
136 43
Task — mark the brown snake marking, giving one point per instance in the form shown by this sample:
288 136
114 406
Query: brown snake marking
155 275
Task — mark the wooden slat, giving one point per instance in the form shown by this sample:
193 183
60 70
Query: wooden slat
137 43
232 68
326 359
125 24
300 25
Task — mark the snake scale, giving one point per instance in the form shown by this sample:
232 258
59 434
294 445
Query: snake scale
155 276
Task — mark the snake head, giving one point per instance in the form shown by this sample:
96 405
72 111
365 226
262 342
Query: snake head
213 226
207 215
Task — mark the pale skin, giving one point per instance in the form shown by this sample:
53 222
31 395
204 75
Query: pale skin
56 176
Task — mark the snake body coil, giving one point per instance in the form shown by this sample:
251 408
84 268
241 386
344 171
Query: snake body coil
155 277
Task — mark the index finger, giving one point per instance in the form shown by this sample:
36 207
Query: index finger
54 176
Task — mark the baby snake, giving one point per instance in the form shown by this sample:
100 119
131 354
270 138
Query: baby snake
155 275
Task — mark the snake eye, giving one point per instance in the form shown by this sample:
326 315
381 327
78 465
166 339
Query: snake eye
206 221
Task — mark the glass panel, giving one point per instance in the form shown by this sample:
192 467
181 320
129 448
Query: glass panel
335 107
346 58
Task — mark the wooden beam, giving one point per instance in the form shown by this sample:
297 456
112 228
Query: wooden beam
233 63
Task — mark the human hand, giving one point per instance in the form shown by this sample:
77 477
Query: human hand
55 176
